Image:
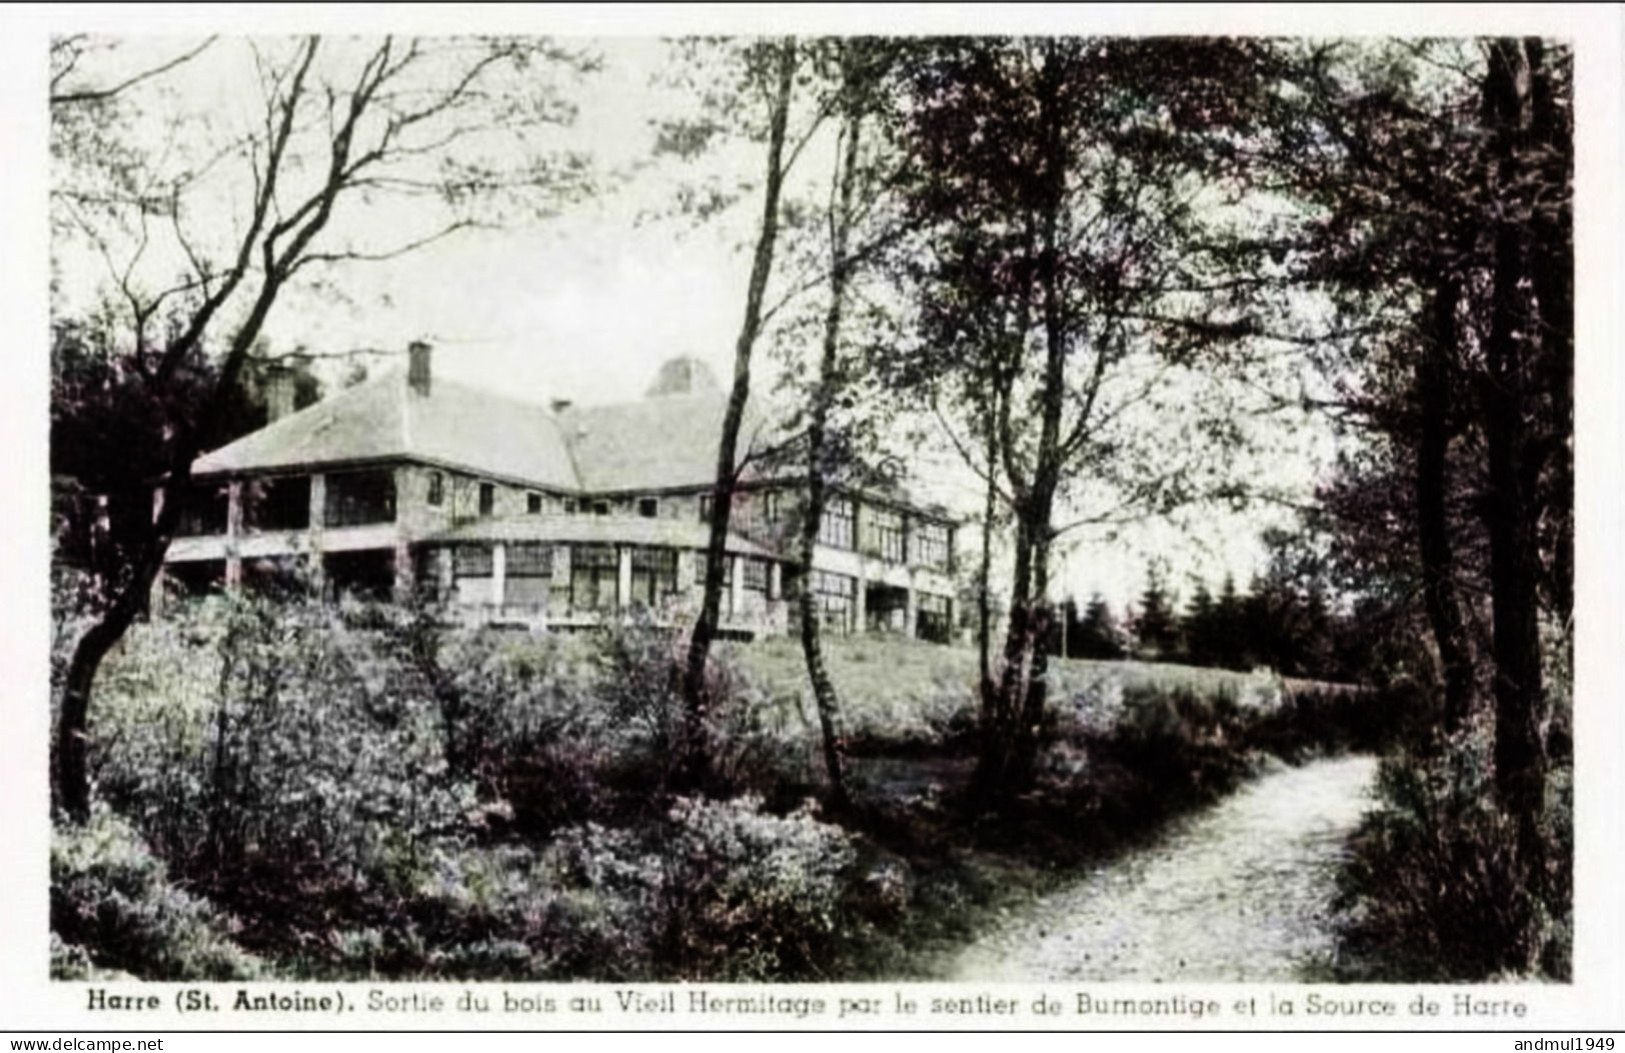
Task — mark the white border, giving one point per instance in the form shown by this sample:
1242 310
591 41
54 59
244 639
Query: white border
27 999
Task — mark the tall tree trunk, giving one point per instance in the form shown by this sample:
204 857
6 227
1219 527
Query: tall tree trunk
1047 468
984 586
79 681
72 769
696 753
1432 517
1009 756
1554 290
998 728
812 646
1508 400
1024 756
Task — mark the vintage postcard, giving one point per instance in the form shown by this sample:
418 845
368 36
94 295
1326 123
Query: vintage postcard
683 518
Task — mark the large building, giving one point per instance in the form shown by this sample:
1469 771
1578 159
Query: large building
555 517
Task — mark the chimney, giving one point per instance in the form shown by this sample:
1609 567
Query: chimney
417 370
280 387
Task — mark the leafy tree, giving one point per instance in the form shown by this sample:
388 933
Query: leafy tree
758 89
1437 175
1055 185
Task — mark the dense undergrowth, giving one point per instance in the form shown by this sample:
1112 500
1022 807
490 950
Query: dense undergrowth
293 790
1434 890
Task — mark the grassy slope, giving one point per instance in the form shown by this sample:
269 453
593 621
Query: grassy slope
899 690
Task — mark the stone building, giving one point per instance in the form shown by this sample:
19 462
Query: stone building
548 517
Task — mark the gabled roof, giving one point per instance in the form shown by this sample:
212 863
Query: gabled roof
665 441
660 442
453 425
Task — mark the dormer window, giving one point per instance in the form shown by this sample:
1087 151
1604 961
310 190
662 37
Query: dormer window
488 498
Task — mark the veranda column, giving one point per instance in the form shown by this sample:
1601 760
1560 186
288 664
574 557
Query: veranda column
911 612
860 605
234 528
155 595
445 573
405 572
499 575
736 589
316 521
686 573
561 581
623 578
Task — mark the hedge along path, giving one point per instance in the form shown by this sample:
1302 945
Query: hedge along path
1238 892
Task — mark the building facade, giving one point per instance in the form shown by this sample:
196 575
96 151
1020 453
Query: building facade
560 517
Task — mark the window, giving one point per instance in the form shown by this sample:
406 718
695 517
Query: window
570 506
756 575
886 535
705 508
772 506
473 561
836 599
359 498
528 559
488 498
533 503
932 544
699 570
933 618
277 504
437 489
600 508
594 571
835 529
654 575
648 507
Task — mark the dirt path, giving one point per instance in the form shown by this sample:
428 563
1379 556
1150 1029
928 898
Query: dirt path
1240 891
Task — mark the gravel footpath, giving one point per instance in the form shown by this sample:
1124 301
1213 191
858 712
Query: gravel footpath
1238 892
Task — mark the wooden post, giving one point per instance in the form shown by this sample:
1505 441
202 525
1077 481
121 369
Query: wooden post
499 575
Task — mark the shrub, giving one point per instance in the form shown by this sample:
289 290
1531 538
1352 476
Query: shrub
749 894
1186 745
247 736
713 890
751 737
1432 890
112 907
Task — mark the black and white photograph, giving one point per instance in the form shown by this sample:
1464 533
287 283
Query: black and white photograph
1079 506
